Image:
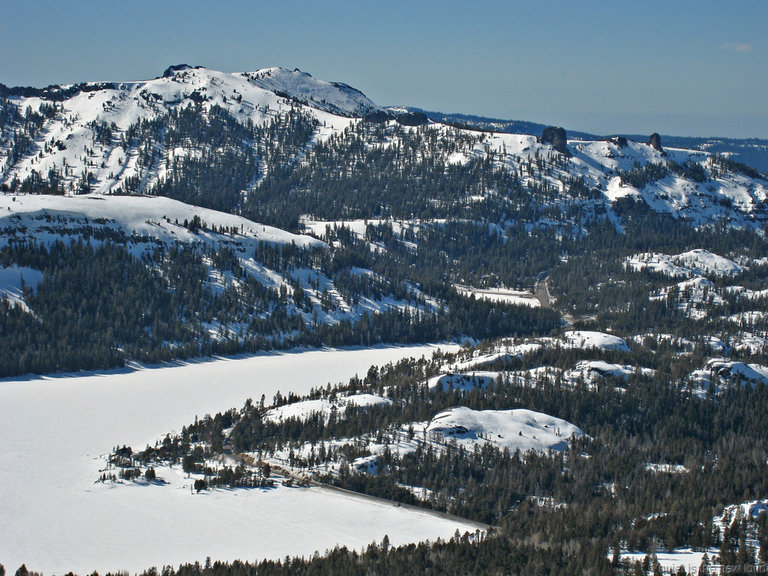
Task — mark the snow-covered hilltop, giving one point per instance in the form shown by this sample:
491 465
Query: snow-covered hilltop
150 219
522 430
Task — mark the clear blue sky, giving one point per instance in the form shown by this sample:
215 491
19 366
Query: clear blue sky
675 67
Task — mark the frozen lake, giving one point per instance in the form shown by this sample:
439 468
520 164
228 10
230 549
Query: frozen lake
54 432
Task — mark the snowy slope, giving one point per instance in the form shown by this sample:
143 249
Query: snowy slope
593 370
68 142
591 339
142 223
324 407
691 560
695 296
718 372
463 382
506 352
753 373
698 202
730 196
504 295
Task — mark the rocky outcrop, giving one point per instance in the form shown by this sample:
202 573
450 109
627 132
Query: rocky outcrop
171 70
378 117
556 136
412 119
655 142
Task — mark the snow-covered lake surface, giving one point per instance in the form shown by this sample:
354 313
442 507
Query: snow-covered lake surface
54 432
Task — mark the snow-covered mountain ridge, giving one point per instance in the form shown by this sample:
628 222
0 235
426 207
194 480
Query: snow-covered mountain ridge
751 151
135 137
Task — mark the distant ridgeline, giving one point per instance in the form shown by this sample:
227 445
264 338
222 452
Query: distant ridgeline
750 151
205 212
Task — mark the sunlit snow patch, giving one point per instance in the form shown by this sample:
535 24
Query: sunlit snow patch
591 370
730 369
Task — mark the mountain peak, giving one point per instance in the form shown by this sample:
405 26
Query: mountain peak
171 70
333 97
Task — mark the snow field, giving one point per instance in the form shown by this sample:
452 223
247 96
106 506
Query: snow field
148 221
